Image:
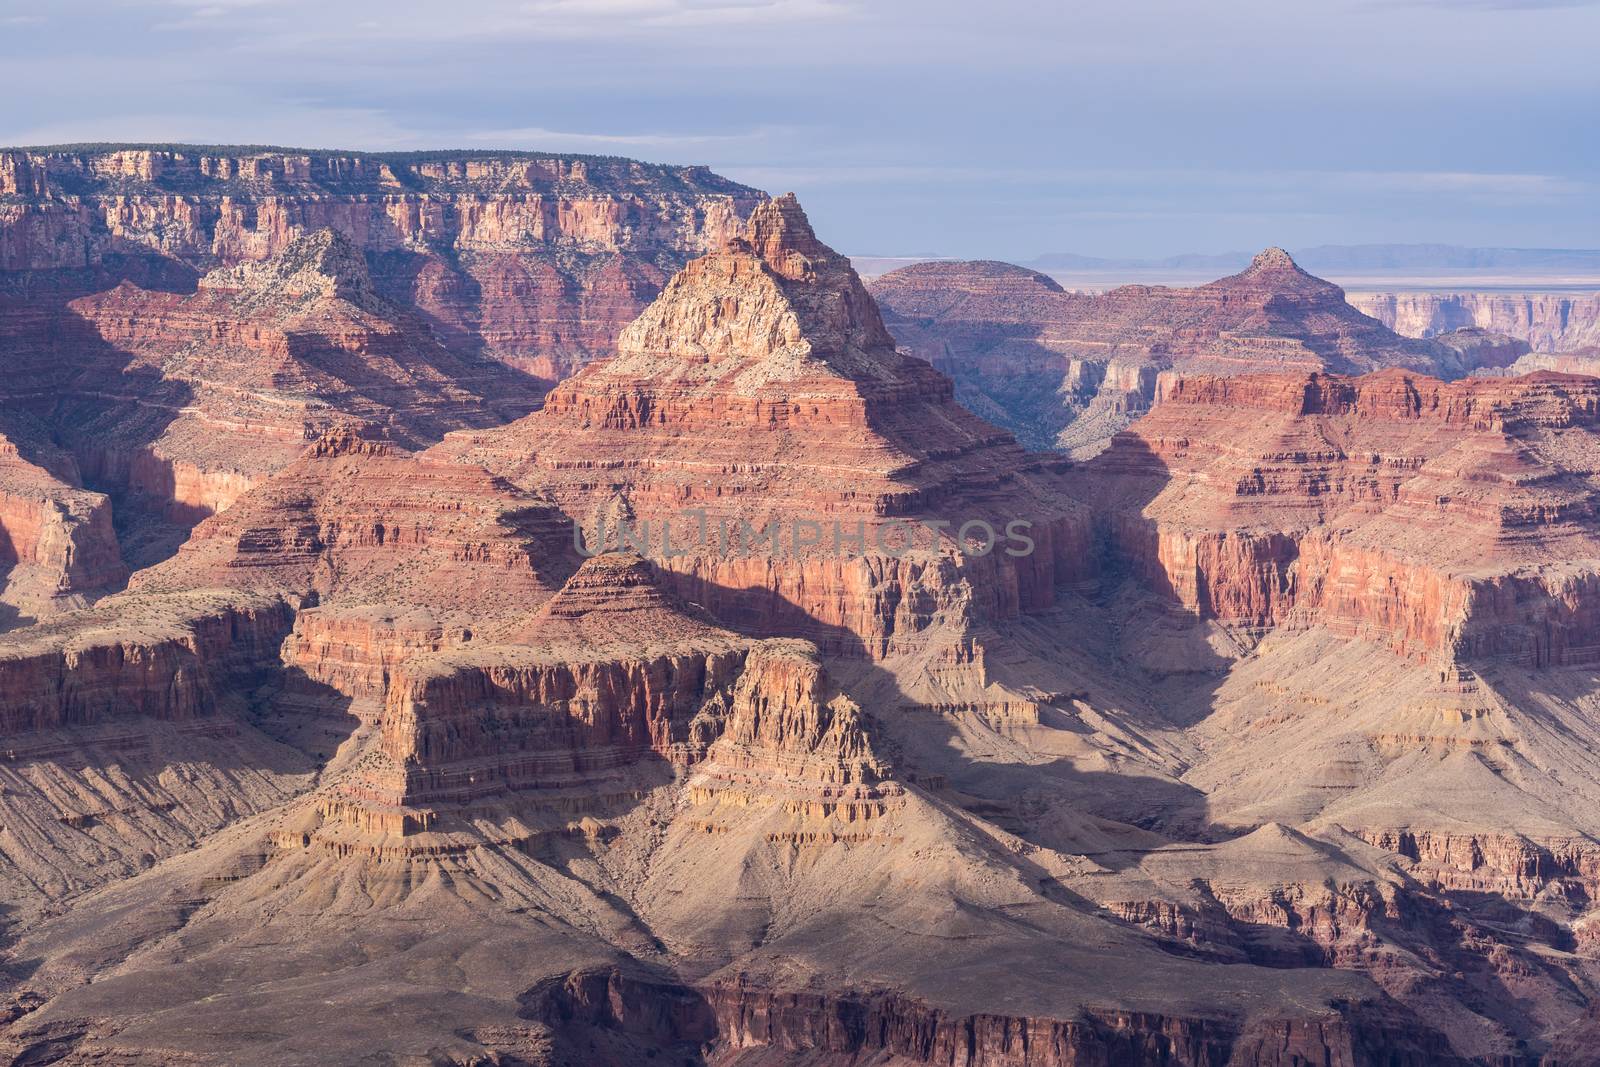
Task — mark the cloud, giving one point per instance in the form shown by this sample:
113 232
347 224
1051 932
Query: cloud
353 128
1505 5
425 22
690 12
1369 181
562 140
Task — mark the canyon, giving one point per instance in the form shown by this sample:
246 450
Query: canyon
751 695
1549 322
1067 370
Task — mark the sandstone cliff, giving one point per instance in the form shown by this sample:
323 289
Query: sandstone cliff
1549 322
535 259
56 539
1443 519
761 393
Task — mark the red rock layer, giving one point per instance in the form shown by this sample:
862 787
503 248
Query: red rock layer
167 658
1067 370
1448 519
57 545
535 259
360 521
551 712
619 1016
762 388
183 402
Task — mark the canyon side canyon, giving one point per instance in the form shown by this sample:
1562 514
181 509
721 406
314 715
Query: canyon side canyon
504 608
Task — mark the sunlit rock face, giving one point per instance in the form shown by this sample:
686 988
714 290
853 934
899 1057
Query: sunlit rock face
762 390
1273 744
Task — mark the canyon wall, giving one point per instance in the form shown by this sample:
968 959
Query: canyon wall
57 542
169 659
1067 370
536 259
1433 526
1550 322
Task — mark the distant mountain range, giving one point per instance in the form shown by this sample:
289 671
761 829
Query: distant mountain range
1376 257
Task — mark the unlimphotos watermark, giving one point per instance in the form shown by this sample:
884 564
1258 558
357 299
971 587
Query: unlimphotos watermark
694 529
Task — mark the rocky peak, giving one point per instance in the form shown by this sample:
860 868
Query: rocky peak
319 265
615 582
773 304
1273 258
1275 271
779 232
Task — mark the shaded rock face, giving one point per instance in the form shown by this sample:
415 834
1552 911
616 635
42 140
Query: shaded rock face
359 520
622 1017
1067 370
609 689
224 386
1547 322
761 391
170 660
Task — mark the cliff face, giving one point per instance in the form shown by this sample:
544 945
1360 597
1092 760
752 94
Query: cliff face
168 659
537 260
360 521
608 690
1549 322
1066 370
56 539
182 320
762 393
1420 514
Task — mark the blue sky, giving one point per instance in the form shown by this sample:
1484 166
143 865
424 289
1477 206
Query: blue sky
979 128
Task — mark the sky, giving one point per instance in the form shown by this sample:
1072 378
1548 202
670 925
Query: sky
974 128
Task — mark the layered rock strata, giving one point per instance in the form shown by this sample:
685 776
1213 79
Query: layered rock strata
576 713
166 658
1549 322
57 543
535 259
1067 370
760 438
1447 520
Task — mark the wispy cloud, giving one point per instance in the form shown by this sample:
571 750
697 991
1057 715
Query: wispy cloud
691 12
557 140
356 128
414 21
1370 181
1504 5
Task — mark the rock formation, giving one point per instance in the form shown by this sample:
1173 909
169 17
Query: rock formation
1263 737
534 259
1441 519
1548 322
217 389
56 538
179 321
758 409
1067 370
